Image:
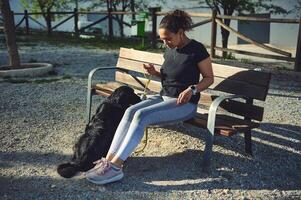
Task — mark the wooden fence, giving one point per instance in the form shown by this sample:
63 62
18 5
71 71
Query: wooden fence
154 13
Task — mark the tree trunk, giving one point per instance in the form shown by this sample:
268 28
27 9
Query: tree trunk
10 34
133 9
120 22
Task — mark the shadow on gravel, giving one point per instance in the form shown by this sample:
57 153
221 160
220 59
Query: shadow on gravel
288 96
275 166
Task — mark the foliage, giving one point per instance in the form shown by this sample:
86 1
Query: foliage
44 5
230 56
121 5
227 7
124 5
47 5
243 6
297 9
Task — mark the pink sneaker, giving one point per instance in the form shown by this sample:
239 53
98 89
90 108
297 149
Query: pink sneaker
98 163
104 174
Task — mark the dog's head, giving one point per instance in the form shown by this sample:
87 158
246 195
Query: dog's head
123 96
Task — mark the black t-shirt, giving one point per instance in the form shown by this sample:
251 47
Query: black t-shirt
180 70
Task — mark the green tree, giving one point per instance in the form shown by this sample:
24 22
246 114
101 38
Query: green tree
10 34
115 5
47 5
297 9
228 7
122 5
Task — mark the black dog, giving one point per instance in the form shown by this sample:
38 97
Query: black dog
99 133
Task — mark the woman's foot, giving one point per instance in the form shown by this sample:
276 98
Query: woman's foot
98 164
104 173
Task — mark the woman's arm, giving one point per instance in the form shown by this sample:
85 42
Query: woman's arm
150 68
205 68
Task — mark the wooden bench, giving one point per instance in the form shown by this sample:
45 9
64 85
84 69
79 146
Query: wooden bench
233 92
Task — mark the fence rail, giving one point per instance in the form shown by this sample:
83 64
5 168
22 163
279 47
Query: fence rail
213 17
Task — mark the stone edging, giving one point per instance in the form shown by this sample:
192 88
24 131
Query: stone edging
39 69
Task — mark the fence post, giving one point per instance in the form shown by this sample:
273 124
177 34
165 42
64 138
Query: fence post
213 34
48 21
76 22
110 25
154 26
298 51
26 22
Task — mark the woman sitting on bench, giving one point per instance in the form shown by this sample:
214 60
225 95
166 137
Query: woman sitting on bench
184 60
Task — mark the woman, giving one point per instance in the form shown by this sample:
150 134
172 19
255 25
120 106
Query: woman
185 60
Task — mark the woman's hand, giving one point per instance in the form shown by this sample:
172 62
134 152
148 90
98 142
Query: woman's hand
150 68
184 96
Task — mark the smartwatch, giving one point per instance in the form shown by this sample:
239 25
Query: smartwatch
193 89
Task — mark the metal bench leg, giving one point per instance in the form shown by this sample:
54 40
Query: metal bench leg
208 151
248 142
211 126
89 101
88 109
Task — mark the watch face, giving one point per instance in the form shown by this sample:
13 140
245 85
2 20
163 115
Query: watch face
193 88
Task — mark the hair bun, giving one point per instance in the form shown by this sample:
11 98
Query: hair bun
175 20
179 13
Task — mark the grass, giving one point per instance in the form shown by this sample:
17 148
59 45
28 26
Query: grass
102 42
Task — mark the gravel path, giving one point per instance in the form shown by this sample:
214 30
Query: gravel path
41 120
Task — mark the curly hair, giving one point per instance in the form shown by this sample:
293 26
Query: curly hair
176 20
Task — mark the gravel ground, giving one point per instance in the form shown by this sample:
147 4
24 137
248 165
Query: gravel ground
41 119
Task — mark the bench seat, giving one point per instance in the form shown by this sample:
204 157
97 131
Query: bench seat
224 125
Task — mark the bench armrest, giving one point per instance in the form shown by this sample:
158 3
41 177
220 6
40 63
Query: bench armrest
213 108
89 96
93 71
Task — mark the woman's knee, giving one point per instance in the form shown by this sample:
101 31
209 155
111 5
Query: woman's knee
129 112
139 115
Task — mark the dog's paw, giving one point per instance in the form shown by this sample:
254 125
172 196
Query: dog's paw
67 170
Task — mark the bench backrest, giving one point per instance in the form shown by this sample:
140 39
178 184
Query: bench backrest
234 80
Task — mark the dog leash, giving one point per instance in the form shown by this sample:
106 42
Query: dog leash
148 77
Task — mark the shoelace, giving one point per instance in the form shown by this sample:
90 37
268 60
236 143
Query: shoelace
98 165
106 165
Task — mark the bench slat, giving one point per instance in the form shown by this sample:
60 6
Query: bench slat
224 125
239 88
241 74
143 56
129 80
235 107
105 89
133 65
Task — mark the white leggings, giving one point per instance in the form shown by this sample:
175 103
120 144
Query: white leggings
154 110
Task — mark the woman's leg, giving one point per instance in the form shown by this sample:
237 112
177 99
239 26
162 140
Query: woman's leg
125 122
162 112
